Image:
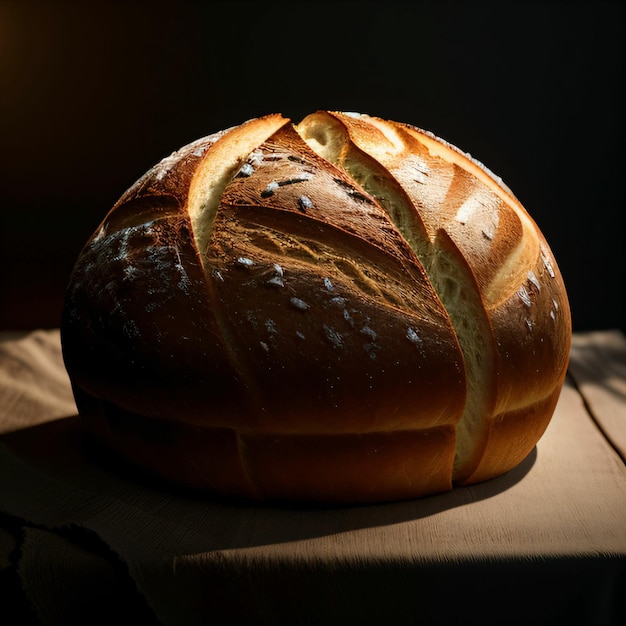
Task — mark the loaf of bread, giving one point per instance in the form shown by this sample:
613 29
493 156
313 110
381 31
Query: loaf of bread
346 310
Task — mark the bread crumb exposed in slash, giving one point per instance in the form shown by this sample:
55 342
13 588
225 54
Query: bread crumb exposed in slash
237 152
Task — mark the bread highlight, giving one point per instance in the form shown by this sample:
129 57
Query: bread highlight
223 161
370 163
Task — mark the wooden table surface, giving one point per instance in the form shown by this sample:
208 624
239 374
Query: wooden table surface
81 542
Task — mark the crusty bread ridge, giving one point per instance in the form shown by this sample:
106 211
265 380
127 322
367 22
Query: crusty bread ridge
345 310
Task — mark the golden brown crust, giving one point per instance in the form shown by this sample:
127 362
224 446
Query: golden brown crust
324 469
287 321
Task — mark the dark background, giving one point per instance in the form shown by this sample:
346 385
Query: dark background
92 94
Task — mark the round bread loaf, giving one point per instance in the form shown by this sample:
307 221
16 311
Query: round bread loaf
347 310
